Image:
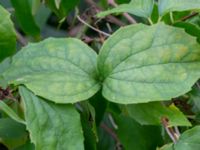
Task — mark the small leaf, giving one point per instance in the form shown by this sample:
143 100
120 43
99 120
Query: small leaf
61 7
141 8
10 112
61 70
166 6
166 147
141 63
51 126
189 140
23 13
152 114
8 36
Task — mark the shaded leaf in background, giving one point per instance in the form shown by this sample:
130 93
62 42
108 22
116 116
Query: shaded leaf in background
8 36
163 65
152 114
61 7
166 6
141 8
61 70
12 133
51 126
27 146
100 105
134 136
88 125
23 13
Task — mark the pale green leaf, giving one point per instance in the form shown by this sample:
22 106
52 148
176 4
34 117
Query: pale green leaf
152 114
61 70
189 140
166 6
8 36
166 147
51 126
140 63
141 8
4 107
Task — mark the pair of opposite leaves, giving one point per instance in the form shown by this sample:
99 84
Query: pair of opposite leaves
137 64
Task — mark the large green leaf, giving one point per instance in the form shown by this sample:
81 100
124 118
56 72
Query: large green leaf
152 114
25 18
166 6
141 8
189 140
51 126
7 32
142 63
61 70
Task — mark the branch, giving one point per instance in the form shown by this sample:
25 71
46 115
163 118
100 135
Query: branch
21 39
93 28
126 15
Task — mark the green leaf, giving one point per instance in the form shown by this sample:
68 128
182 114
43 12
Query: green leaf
166 6
134 136
189 140
61 70
141 8
3 66
141 63
12 133
23 13
61 7
51 126
10 112
152 114
190 28
166 147
8 36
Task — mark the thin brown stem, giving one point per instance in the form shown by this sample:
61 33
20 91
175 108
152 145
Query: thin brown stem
93 28
126 15
21 39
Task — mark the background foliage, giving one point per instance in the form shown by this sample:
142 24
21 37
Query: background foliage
99 75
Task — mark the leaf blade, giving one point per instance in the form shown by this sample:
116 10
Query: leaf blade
141 8
8 36
70 78
166 6
57 123
161 66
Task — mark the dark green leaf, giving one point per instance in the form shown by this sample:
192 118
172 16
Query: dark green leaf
61 7
134 136
23 12
7 32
